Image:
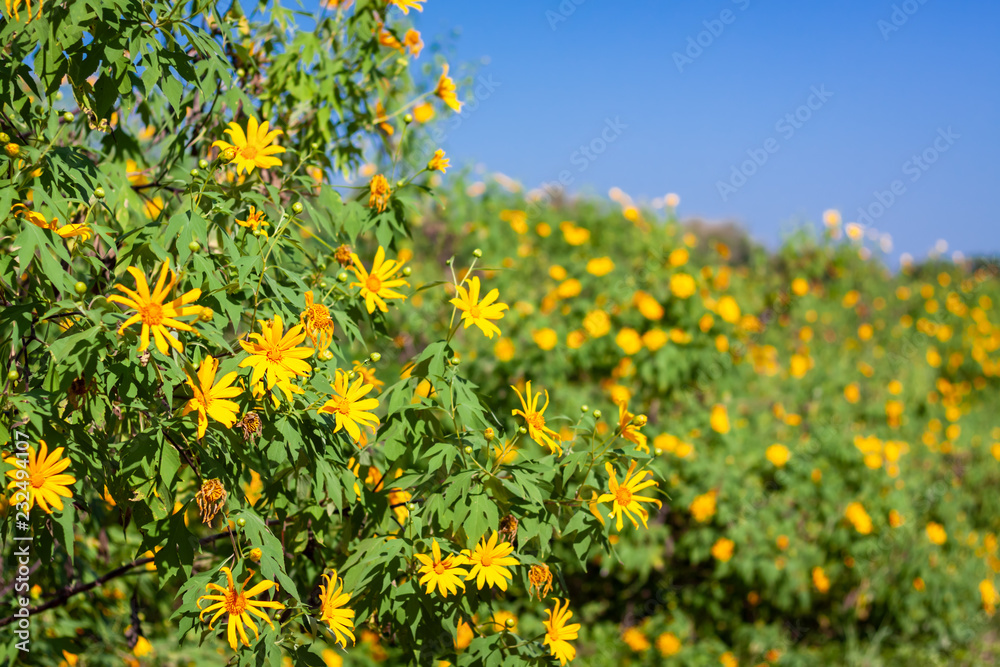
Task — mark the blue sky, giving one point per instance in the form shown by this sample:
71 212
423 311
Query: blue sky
887 82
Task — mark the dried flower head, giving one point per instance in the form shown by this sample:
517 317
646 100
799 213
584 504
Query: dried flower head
211 497
508 528
541 581
251 425
343 255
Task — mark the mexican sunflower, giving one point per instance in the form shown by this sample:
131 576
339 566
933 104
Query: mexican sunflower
558 633
489 561
379 193
317 322
210 398
277 355
332 610
629 425
349 405
65 231
407 5
439 162
537 430
155 315
446 90
239 605
479 312
445 574
377 285
253 148
625 495
45 481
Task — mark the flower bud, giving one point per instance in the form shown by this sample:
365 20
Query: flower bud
99 193
228 155
640 420
342 276
468 449
510 623
12 150
80 288
407 271
585 408
297 207
206 314
203 164
375 357
255 555
477 253
194 246
4 137
489 435
68 117
241 522
522 430
597 414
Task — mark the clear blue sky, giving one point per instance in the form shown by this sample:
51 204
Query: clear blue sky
894 93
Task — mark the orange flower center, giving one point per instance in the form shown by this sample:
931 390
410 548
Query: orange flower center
342 405
249 152
152 314
439 567
235 602
536 420
486 560
623 496
475 312
374 284
274 355
38 480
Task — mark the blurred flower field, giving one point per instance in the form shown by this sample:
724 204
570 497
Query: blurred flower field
282 390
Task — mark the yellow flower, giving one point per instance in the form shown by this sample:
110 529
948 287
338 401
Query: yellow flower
332 609
239 606
648 306
276 354
380 193
142 648
678 257
800 286
558 633
936 533
852 392
668 644
210 397
727 659
703 507
349 406
535 419
682 285
377 285
39 477
636 640
624 496
504 349
597 323
728 309
64 231
254 221
489 562
479 312
719 419
446 87
445 574
629 340
368 373
820 580
380 118
317 323
253 148
13 7
989 596
857 515
407 5
600 266
654 339
439 162
413 42
778 455
722 550
545 338
573 234
423 112
629 425
155 315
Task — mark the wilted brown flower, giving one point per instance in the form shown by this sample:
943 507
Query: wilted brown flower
343 255
508 528
250 423
211 497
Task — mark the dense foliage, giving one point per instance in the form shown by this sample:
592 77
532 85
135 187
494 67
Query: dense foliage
275 397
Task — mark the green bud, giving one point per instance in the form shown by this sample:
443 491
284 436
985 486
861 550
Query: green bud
454 361
321 267
375 357
4 137
297 208
342 276
400 183
597 414
80 288
408 118
314 145
203 163
522 430
68 117
585 408
407 271
194 173
241 72
326 355
510 623
477 253
468 449
194 246
99 193
241 522
13 375
322 284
